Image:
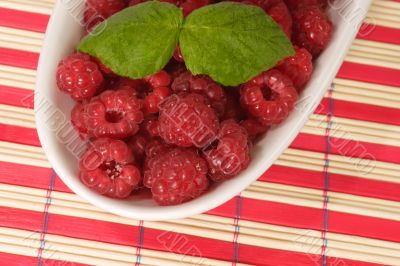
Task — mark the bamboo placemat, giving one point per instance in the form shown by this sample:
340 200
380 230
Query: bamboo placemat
333 197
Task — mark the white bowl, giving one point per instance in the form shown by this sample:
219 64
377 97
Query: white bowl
60 142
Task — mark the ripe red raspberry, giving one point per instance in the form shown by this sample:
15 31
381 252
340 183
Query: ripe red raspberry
97 11
186 120
203 85
176 176
191 5
156 91
296 4
270 97
113 114
108 168
254 128
138 144
79 76
278 10
232 155
150 126
312 29
298 68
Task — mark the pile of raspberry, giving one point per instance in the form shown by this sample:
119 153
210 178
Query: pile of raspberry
173 133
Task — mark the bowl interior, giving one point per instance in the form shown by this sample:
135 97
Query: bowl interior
63 146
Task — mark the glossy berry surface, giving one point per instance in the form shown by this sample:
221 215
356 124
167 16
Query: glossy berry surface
203 85
96 11
186 120
298 68
232 154
296 4
177 176
79 76
269 97
113 114
312 29
108 168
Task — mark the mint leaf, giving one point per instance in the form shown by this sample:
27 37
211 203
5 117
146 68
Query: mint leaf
232 42
138 41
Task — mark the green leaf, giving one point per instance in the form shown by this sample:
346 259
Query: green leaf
138 41
232 42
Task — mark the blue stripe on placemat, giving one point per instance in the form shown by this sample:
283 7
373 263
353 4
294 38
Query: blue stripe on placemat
46 217
238 214
140 243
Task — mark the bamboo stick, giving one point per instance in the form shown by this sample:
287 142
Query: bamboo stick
373 62
23 7
366 86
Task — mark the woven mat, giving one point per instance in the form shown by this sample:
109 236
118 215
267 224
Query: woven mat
333 198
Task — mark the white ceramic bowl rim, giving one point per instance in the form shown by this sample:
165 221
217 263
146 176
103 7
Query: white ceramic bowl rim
63 34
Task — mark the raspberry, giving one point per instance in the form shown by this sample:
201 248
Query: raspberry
156 91
269 97
278 10
176 176
298 68
186 120
296 4
203 85
254 128
190 5
232 155
150 126
79 76
108 168
113 114
138 144
312 29
97 11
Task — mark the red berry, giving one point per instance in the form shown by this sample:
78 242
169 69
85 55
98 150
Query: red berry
150 126
254 128
203 85
113 114
160 79
191 5
138 145
186 120
108 168
278 10
156 92
269 97
97 11
298 68
79 76
232 155
312 29
296 4
176 176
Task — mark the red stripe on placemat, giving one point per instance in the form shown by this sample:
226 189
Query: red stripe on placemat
338 183
22 135
371 74
23 20
311 218
365 112
180 244
380 34
29 176
16 97
351 148
18 58
8 259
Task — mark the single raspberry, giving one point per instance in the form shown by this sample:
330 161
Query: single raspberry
96 11
312 29
203 85
297 4
108 168
79 76
189 6
113 114
150 126
176 176
298 68
278 10
138 144
232 154
254 128
186 120
269 97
